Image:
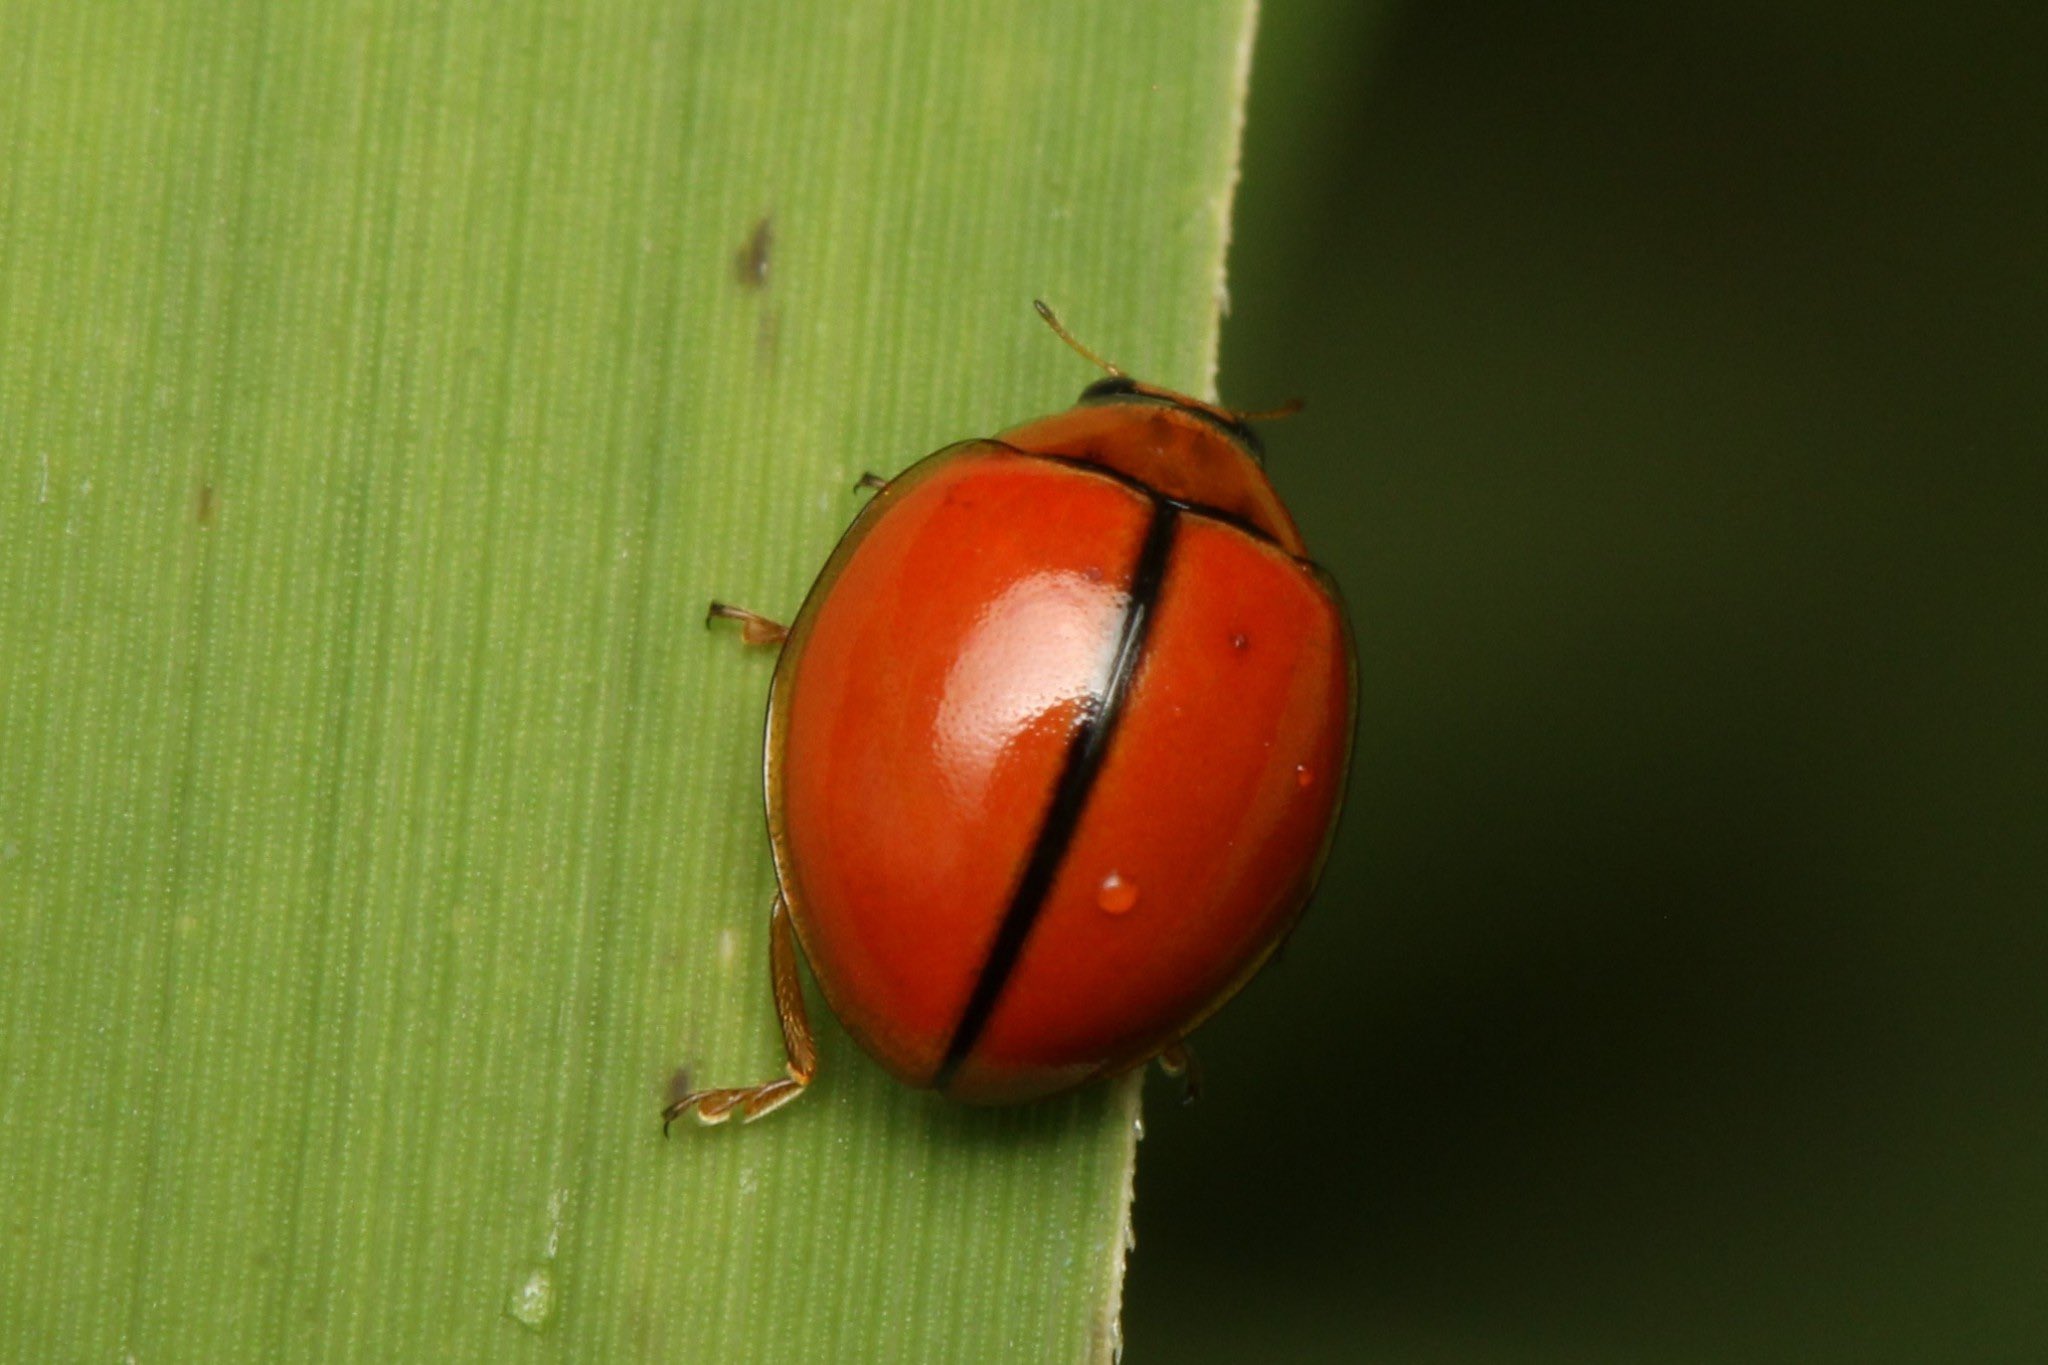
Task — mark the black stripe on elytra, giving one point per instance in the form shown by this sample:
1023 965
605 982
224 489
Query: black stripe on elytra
1085 752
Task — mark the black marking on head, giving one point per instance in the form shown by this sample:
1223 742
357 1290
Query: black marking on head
1109 388
1086 750
1121 388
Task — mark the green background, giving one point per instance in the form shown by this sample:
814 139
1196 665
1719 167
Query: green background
1676 427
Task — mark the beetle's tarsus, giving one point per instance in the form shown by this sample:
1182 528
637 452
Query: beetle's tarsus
755 629
713 1107
1178 1061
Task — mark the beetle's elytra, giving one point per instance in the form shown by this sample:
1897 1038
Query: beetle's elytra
1055 746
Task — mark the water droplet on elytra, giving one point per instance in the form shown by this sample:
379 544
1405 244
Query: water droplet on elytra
1117 894
1239 642
1303 778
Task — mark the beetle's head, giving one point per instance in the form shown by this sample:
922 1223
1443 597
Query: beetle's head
1179 446
1121 388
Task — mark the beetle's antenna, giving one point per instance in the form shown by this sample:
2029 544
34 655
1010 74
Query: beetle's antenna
1060 330
1287 409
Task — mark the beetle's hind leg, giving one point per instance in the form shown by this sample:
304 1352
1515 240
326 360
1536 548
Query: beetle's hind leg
1178 1061
755 629
798 1045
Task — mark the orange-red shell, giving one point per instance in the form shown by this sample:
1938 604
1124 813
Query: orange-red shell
1001 613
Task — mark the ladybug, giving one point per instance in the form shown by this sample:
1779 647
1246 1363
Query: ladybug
1055 748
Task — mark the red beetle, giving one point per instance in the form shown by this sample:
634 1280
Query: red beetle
1055 748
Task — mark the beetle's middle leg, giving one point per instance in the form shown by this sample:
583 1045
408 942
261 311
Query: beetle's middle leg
799 1046
755 629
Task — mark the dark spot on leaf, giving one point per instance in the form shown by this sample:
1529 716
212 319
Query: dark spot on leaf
750 265
202 503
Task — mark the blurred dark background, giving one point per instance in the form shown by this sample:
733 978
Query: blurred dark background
1678 428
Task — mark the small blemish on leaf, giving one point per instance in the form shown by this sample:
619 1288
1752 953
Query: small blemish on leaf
750 265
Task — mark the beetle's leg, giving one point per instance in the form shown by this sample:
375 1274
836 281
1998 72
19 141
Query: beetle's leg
872 482
755 629
1178 1060
798 1046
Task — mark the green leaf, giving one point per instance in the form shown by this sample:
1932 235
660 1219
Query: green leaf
385 389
